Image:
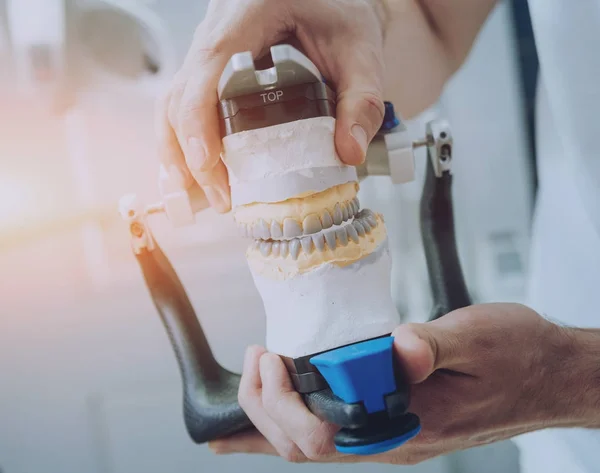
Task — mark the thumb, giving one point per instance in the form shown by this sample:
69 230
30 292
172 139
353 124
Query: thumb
360 113
425 348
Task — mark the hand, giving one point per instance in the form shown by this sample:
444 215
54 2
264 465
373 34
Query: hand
344 38
478 375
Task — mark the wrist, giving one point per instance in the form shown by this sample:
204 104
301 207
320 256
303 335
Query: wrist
576 389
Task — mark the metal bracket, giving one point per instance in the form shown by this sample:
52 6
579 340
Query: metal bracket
291 67
136 216
439 145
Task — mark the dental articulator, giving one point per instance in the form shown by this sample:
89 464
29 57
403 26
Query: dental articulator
320 262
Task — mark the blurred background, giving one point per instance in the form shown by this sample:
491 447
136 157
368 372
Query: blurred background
88 382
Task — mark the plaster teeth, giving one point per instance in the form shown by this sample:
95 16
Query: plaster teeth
342 236
326 220
312 224
352 233
261 230
365 223
276 229
330 238
351 209
345 213
256 244
370 216
360 229
319 241
265 248
295 248
356 204
337 215
306 243
275 249
243 230
284 248
291 228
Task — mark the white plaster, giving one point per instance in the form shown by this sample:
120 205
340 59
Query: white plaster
282 161
329 306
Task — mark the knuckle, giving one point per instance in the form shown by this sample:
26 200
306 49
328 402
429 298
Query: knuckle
290 452
271 401
374 102
318 445
245 397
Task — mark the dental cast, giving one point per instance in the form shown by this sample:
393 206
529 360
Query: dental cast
320 263
276 163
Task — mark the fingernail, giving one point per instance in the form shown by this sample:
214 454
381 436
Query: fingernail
215 198
196 154
360 135
409 342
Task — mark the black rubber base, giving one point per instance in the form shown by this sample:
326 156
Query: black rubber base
379 429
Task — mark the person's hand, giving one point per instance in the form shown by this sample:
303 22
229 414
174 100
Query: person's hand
478 375
344 38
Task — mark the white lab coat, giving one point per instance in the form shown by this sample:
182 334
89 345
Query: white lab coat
565 263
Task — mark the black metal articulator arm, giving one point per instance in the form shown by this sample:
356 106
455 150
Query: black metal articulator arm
211 409
448 288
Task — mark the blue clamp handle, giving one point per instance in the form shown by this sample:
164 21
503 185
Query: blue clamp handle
363 373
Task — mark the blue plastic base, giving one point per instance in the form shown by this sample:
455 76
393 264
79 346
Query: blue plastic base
380 447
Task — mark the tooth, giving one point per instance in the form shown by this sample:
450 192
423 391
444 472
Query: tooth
265 248
326 219
306 243
370 216
342 236
261 230
291 228
365 223
295 248
312 224
283 249
352 233
330 238
256 244
344 211
319 241
351 208
276 229
360 229
275 249
337 214
356 204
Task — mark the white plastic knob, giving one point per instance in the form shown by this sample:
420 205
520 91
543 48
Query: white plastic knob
130 207
401 156
179 209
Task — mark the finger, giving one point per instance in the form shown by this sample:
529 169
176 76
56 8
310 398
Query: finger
170 154
285 406
245 442
215 185
425 348
194 114
360 108
250 399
